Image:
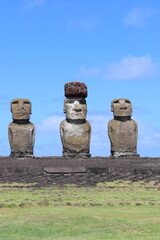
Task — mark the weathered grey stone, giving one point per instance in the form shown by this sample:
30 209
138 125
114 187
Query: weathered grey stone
75 130
65 169
122 130
21 131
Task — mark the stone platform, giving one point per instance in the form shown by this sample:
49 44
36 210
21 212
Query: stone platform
46 171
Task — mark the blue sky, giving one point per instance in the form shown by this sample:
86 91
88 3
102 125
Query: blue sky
112 46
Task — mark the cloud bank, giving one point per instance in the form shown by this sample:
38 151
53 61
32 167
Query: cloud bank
128 68
49 125
138 17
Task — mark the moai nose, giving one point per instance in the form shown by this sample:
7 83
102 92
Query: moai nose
122 104
76 104
20 105
77 107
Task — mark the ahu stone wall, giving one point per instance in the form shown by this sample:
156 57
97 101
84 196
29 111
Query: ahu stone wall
49 171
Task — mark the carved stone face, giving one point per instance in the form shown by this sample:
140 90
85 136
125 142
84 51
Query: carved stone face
75 108
121 107
21 109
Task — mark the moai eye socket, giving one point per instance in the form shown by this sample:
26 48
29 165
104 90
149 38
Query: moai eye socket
70 100
117 101
26 102
15 102
82 101
127 101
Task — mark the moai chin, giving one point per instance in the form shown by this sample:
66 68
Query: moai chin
75 130
21 131
122 130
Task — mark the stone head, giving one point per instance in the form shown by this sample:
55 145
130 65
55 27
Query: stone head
75 105
21 108
121 107
75 108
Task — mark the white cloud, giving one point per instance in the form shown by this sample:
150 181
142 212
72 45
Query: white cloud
149 135
4 147
99 139
4 101
131 68
49 125
127 68
138 17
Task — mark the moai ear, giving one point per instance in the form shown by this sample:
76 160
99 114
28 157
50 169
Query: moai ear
27 101
13 101
112 106
116 100
64 106
11 106
30 108
128 101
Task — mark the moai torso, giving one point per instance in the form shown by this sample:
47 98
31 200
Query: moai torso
122 130
75 130
21 137
21 132
75 137
123 136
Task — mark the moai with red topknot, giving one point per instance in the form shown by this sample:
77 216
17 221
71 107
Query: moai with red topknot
75 130
122 130
21 131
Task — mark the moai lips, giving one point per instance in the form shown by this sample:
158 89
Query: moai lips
122 130
21 132
75 130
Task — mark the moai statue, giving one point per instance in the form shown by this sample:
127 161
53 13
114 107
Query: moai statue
21 131
75 130
122 130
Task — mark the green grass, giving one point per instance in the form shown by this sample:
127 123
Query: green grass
116 210
111 193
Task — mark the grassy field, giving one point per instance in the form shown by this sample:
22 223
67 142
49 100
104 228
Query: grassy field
116 210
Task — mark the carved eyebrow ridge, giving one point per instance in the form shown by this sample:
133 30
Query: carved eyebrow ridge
27 102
